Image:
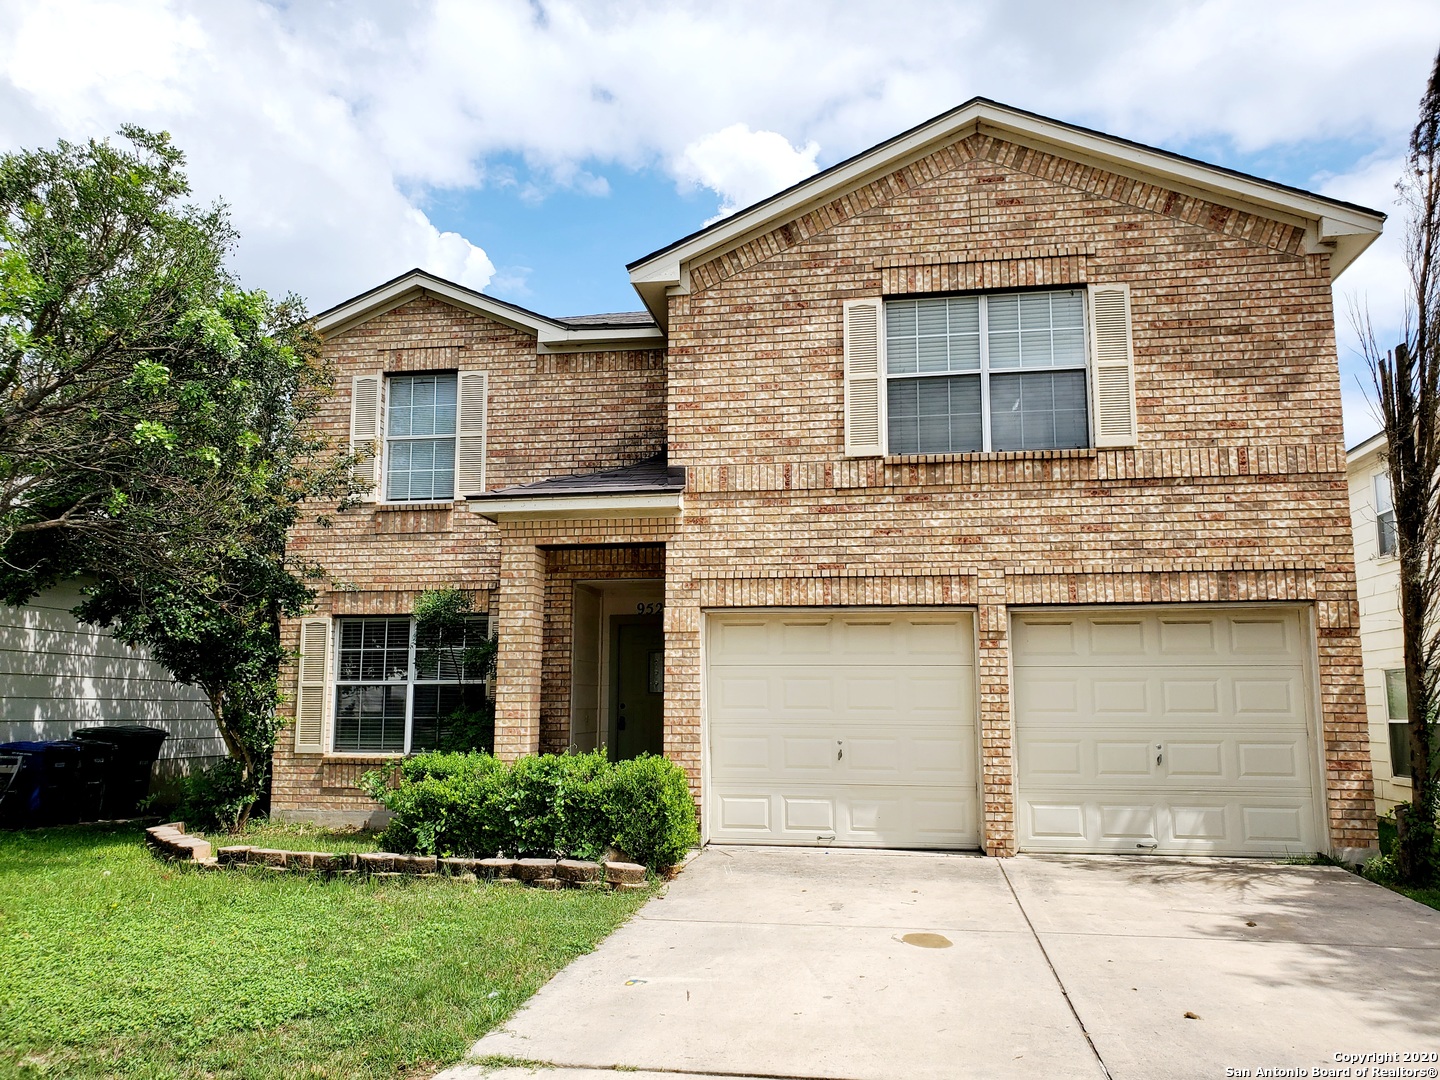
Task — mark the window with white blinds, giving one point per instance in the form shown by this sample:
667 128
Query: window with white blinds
395 693
1007 371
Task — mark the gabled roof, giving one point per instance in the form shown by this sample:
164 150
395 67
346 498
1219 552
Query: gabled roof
622 330
1344 229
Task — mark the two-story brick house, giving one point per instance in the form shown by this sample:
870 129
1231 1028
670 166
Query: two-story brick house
1002 505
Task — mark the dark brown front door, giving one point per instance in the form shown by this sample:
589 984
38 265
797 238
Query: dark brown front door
638 702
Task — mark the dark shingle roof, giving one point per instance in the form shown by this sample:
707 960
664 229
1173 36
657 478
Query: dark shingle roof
615 320
653 476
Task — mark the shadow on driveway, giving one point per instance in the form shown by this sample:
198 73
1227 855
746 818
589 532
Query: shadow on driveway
795 963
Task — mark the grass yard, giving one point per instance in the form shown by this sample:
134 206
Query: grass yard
300 836
1388 840
113 963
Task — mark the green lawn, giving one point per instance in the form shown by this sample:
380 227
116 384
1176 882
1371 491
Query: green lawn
1388 840
299 836
113 963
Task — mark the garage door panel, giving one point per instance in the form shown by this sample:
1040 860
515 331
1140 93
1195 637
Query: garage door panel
1156 639
771 640
1170 731
853 693
861 816
847 753
845 727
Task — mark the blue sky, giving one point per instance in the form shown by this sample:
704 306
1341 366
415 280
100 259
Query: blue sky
531 149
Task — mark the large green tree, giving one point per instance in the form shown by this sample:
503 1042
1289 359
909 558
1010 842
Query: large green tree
154 423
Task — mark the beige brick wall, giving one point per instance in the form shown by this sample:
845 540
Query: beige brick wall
549 415
1235 493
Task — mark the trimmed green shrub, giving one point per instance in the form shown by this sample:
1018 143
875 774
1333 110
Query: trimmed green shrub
217 796
652 811
569 805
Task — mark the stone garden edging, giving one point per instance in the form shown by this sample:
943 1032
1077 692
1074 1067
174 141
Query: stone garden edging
171 841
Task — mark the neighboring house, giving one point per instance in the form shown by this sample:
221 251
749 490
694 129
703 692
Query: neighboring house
1377 577
982 491
58 674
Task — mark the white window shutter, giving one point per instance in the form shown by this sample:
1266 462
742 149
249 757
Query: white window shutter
312 694
864 378
367 430
473 392
1112 367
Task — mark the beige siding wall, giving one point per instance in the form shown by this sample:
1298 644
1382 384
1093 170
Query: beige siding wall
1377 580
57 674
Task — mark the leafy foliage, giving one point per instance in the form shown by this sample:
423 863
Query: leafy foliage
652 810
448 643
215 797
575 805
153 423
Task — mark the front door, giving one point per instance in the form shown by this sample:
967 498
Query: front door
638 713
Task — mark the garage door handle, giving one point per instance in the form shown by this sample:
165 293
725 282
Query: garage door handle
839 750
1159 753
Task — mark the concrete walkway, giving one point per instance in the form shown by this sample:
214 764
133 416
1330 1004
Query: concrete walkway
846 965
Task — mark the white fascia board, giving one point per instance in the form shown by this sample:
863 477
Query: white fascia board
548 334
1370 446
1348 229
524 507
569 340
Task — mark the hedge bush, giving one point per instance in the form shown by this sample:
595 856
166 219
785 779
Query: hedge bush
566 805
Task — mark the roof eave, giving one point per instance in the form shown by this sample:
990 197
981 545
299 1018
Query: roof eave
549 334
531 507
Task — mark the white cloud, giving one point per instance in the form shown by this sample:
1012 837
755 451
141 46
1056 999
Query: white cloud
744 166
327 126
263 124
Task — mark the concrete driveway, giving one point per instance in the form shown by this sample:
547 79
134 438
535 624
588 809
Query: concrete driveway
764 962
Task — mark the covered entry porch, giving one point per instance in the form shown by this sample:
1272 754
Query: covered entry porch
580 611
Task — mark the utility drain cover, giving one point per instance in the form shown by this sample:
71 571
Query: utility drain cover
927 941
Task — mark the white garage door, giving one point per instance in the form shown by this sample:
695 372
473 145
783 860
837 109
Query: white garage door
1183 732
847 727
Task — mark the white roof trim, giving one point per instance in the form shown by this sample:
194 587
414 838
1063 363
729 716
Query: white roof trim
550 335
521 507
1366 448
1344 230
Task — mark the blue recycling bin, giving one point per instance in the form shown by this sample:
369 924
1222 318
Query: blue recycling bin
48 787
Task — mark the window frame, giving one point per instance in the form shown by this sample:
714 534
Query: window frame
1387 541
388 379
410 682
984 371
1392 722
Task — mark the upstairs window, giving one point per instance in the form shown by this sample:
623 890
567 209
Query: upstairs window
977 373
420 437
1385 516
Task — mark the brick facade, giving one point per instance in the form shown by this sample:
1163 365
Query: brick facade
1235 491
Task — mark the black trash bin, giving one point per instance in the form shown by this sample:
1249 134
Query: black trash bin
48 790
137 747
